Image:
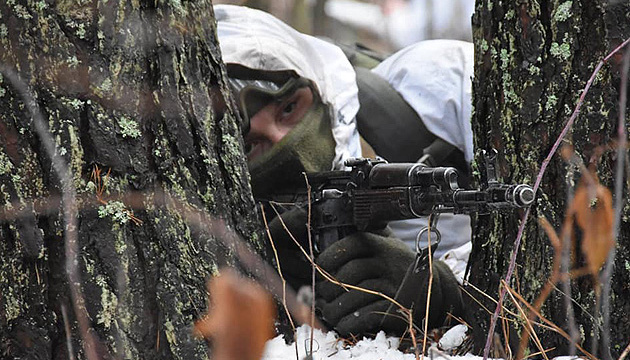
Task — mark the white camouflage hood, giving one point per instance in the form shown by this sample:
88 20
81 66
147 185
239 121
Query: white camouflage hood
257 40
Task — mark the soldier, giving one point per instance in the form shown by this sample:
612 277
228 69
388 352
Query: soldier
306 108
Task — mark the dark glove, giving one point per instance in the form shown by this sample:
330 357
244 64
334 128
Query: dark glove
379 262
295 267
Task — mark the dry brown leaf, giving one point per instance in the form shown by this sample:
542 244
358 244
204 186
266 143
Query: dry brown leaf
593 210
240 318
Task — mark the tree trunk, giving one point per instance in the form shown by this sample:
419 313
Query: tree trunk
136 89
533 59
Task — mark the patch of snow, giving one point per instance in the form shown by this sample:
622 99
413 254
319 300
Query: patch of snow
454 337
327 346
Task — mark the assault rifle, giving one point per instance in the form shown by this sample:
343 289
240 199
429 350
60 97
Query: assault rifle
374 192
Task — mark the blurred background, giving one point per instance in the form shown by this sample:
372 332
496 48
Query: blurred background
381 25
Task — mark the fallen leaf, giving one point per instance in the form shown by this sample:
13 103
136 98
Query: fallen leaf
240 317
593 209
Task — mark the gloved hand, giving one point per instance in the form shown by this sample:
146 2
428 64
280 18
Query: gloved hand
295 267
379 262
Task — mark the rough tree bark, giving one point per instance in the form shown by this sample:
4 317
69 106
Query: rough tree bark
533 58
137 89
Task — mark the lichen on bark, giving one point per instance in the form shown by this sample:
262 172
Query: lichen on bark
138 90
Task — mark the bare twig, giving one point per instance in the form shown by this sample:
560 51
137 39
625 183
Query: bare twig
494 301
625 353
250 260
543 168
66 326
284 282
565 266
622 139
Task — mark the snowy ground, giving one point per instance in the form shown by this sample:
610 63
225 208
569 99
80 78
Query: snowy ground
327 347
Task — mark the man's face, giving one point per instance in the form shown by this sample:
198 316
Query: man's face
272 122
287 132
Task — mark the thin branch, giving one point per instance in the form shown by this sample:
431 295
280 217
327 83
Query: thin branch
625 353
66 326
284 281
521 229
622 139
565 265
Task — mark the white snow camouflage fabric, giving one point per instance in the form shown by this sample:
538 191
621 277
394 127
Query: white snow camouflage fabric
257 40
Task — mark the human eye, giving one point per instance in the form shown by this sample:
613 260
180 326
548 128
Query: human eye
289 108
256 147
249 146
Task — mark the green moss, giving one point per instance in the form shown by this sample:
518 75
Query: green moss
41 5
5 164
561 51
177 7
533 70
505 59
484 46
508 89
21 12
12 308
169 331
73 62
232 152
106 85
129 128
551 102
109 303
116 210
563 12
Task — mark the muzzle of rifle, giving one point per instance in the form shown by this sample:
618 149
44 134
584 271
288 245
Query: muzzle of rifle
520 195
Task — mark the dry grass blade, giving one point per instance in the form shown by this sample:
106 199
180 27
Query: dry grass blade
240 319
485 295
528 326
426 312
284 281
549 285
553 326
